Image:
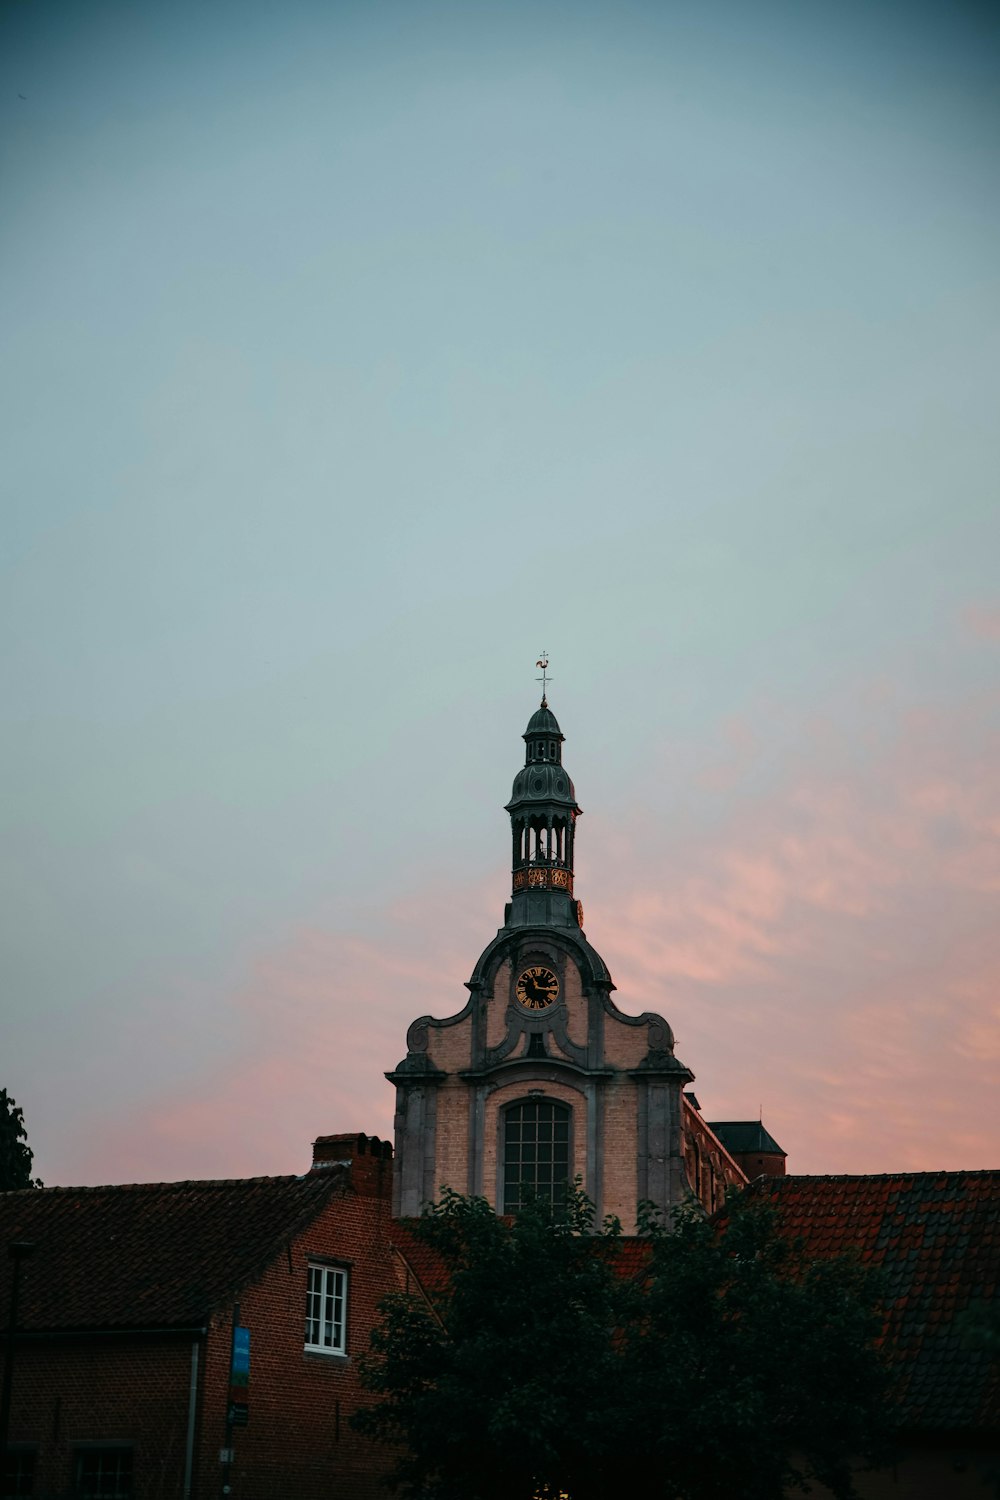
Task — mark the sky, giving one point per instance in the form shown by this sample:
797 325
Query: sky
355 353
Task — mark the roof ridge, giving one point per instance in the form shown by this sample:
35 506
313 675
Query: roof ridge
149 1187
886 1176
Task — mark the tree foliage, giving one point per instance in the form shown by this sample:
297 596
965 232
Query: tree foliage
15 1153
714 1362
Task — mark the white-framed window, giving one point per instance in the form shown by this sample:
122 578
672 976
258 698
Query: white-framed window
326 1309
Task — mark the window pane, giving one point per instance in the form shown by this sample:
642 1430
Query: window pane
104 1474
326 1306
536 1153
19 1474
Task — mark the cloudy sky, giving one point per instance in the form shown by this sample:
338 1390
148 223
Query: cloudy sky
354 353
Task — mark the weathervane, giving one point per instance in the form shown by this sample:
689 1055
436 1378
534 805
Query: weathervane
543 662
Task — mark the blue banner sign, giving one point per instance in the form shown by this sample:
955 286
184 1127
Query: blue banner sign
241 1356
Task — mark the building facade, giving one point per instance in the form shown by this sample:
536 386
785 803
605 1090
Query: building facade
540 1078
203 1338
176 1338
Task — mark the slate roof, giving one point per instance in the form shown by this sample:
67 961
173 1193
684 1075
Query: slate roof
741 1137
936 1238
150 1255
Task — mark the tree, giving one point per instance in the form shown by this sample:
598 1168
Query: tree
753 1369
703 1363
15 1153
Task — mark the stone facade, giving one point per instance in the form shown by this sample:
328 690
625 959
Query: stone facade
540 1028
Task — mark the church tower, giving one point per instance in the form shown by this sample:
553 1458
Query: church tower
540 1078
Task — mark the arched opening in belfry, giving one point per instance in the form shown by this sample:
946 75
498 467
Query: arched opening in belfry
542 840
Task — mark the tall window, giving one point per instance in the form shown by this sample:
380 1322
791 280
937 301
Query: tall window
326 1310
18 1472
104 1474
535 1153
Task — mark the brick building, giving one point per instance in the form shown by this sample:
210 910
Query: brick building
540 1077
123 1381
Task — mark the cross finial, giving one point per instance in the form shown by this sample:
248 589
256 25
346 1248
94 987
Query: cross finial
543 662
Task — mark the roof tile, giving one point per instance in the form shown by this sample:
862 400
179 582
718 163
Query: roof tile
936 1237
150 1254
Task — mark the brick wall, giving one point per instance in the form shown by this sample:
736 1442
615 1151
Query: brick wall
621 1148
452 1138
72 1392
298 1445
709 1166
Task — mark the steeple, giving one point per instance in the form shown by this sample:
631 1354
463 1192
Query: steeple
540 1077
543 812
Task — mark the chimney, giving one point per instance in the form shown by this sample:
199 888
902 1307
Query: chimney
369 1161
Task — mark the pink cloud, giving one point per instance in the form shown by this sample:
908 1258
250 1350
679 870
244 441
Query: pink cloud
833 953
828 952
315 1024
984 621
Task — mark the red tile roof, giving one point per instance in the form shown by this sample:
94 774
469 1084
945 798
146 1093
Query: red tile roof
421 1260
631 1257
936 1238
152 1255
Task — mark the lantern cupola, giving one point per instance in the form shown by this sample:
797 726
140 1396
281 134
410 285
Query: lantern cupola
543 812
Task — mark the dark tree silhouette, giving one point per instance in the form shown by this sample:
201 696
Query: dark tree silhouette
709 1361
15 1153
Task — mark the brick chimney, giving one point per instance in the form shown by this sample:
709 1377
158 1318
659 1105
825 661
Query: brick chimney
368 1159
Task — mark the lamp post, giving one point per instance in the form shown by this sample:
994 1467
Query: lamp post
18 1251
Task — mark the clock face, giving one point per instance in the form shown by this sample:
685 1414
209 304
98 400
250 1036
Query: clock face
537 988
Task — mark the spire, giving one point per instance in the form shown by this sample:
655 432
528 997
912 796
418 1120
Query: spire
543 812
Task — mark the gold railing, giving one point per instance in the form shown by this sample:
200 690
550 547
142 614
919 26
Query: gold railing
543 877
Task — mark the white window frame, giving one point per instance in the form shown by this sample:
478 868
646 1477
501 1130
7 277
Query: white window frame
326 1309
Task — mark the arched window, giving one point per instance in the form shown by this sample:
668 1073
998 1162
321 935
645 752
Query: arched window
535 1153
